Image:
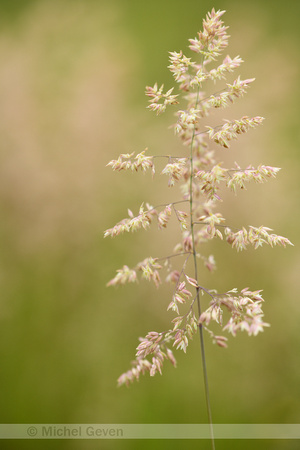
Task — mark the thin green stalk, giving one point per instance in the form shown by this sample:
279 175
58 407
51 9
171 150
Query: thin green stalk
204 367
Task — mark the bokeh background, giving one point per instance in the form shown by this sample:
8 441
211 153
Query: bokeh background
72 78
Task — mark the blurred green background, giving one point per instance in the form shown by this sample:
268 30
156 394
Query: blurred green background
72 78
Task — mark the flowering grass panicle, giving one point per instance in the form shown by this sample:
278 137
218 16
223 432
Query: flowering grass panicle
201 177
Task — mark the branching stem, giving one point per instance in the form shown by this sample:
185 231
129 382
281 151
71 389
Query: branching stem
204 367
172 256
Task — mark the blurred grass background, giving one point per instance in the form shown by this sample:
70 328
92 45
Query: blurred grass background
72 78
